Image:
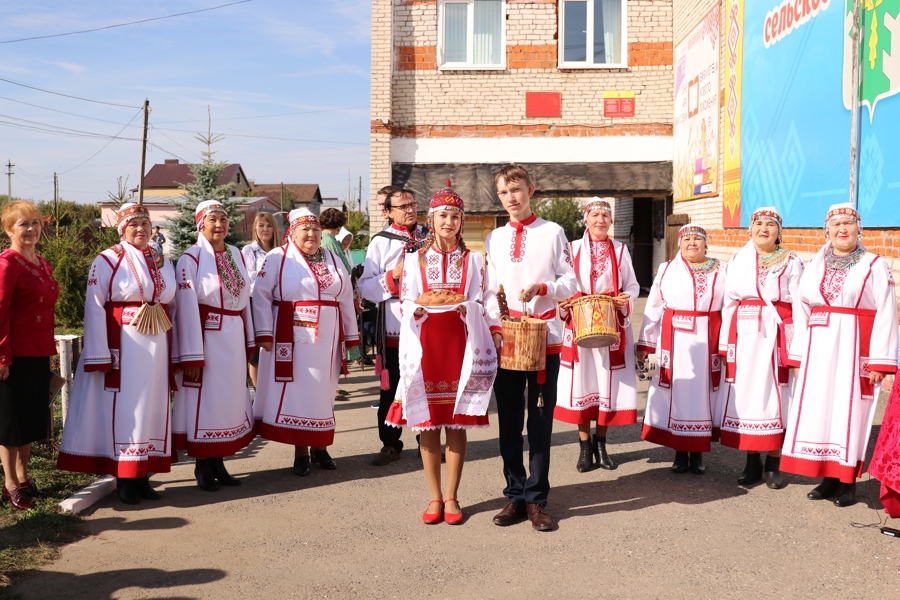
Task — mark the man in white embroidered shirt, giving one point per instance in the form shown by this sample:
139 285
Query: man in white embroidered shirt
531 259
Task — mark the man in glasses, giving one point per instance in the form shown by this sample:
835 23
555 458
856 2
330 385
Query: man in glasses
380 283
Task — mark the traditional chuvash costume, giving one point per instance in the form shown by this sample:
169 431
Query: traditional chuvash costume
849 329
681 326
119 417
599 384
212 412
303 305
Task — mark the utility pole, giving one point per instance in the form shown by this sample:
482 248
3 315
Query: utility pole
359 196
9 174
56 203
349 187
855 112
281 197
143 153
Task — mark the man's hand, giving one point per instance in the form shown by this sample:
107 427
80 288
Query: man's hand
193 372
875 377
620 303
498 340
267 346
640 355
530 292
4 373
398 270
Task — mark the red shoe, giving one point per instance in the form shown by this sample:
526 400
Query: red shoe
433 518
18 498
453 518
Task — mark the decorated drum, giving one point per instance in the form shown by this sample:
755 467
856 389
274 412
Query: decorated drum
594 321
524 344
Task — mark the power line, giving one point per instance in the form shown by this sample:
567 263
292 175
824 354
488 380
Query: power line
190 12
60 111
290 114
69 96
62 130
103 147
152 128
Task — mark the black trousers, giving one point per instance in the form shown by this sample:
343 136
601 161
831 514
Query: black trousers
389 435
512 404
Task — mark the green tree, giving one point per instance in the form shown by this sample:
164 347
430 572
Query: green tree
287 199
358 221
565 212
183 232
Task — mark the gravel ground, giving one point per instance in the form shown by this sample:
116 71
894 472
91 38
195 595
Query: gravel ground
636 532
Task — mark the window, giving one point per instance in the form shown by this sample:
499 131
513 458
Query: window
593 34
471 34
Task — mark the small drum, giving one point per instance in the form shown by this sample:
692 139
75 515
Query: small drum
594 321
524 344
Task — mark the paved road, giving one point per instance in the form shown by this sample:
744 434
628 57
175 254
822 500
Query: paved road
637 532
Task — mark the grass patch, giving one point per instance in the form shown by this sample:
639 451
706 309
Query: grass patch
30 538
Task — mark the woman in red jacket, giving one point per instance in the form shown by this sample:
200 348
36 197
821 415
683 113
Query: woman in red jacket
28 295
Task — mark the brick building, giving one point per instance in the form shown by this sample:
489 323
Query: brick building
580 92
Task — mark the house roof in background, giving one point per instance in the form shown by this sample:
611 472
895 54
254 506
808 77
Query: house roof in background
304 193
172 173
177 198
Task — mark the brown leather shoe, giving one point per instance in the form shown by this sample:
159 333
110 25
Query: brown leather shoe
511 514
387 455
540 521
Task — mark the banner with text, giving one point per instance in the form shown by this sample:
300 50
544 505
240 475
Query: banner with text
695 131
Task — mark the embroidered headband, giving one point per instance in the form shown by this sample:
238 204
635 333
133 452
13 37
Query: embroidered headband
206 207
296 218
844 210
446 199
766 212
691 229
596 203
128 212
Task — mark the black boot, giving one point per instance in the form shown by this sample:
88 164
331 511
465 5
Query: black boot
126 488
205 478
753 470
323 459
217 466
696 463
845 495
301 466
824 490
585 462
143 488
773 473
681 462
601 457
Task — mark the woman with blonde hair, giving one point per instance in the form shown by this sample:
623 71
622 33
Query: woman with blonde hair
265 238
28 296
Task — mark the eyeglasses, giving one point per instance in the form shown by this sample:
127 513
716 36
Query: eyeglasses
412 207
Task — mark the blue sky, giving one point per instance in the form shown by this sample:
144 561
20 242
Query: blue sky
256 59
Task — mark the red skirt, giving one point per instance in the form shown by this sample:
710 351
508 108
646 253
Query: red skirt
443 341
885 466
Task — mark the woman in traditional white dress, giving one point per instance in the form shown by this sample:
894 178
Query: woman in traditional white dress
847 345
599 384
447 357
118 419
212 412
758 317
304 316
682 319
265 234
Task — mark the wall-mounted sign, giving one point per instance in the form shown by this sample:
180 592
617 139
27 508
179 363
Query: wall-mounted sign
618 104
543 104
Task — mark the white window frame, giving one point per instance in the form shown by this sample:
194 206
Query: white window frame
470 40
589 62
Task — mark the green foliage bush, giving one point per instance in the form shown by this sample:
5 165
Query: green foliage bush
565 212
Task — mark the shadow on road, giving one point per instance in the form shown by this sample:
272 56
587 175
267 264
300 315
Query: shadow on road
105 584
96 526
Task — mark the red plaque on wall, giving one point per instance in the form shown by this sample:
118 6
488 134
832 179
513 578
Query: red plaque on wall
618 104
543 104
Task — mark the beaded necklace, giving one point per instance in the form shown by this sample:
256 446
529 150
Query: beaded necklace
846 261
705 267
316 257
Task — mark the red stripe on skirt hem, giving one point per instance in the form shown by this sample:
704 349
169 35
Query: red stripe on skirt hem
220 449
821 468
103 465
679 443
591 414
295 437
752 443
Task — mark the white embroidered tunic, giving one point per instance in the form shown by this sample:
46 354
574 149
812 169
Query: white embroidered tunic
121 429
213 415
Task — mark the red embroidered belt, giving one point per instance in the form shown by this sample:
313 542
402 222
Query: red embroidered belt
865 319
284 335
781 338
115 316
666 357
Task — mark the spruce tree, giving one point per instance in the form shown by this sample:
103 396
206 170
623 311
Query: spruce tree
183 232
